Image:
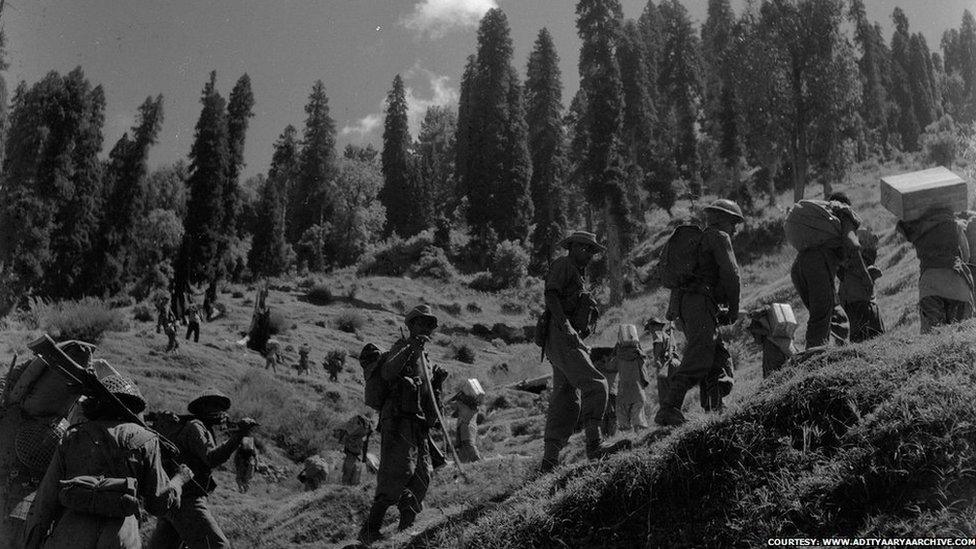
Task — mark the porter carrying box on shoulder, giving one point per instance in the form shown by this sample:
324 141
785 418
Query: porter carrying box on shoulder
782 321
910 195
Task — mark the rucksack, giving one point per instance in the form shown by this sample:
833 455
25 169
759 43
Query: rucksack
375 388
679 257
811 223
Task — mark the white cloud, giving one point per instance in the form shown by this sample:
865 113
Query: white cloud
442 94
437 17
363 126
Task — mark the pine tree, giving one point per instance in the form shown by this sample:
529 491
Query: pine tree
543 100
4 65
308 202
871 66
922 78
680 81
240 108
493 168
436 144
908 125
125 188
966 56
401 209
652 33
465 129
271 253
209 160
716 34
598 24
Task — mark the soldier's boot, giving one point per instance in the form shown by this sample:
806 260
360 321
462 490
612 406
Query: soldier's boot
407 518
550 454
669 414
596 448
468 452
370 531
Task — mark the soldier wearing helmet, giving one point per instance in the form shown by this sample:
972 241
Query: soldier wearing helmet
193 524
711 302
103 467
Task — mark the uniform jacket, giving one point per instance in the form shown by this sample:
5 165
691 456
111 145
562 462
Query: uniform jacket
356 429
201 453
718 269
568 281
109 448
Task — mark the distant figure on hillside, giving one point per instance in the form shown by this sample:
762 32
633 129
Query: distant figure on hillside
245 463
579 391
303 363
163 314
104 466
334 362
409 412
193 323
193 524
630 363
315 473
174 340
816 267
709 301
354 436
945 284
272 355
856 291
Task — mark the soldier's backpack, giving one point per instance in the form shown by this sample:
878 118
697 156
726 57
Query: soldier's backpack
375 389
679 257
811 223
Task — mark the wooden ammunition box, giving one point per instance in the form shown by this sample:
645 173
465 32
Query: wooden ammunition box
910 195
782 321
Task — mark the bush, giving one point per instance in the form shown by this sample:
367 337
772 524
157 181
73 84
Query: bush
473 308
434 264
237 294
453 309
320 294
512 308
278 323
350 321
509 266
395 256
85 320
464 354
940 142
143 313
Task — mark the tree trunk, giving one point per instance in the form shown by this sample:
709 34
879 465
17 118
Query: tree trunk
614 260
799 166
773 169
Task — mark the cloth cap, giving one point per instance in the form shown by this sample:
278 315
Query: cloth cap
126 390
627 333
421 311
210 397
581 237
727 206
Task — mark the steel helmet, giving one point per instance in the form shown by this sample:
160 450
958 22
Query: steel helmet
126 390
728 207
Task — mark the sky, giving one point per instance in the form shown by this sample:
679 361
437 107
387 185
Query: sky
140 48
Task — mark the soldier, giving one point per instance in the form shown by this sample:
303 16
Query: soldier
174 341
333 363
315 472
90 494
193 524
572 312
193 325
303 352
945 284
467 428
354 436
163 315
712 300
409 412
245 463
271 356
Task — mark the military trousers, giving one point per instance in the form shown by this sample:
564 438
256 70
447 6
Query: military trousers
405 468
191 524
936 311
813 277
352 469
705 358
579 391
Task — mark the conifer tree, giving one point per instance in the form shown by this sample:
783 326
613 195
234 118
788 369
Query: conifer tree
436 144
543 100
901 82
922 78
871 66
716 34
240 108
308 201
465 128
396 195
651 29
125 188
494 167
598 23
966 56
680 81
271 253
209 160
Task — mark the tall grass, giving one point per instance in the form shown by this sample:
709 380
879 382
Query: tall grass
85 320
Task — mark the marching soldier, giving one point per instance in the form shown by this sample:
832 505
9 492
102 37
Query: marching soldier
354 437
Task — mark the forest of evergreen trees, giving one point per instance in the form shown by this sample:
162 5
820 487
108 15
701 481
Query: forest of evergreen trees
788 94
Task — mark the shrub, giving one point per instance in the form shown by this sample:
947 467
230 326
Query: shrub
473 307
509 266
394 256
85 320
237 294
512 308
319 295
940 141
350 321
277 323
453 309
464 354
143 313
484 282
434 264
120 301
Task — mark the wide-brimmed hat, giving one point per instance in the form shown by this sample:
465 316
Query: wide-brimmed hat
209 398
727 206
581 237
420 311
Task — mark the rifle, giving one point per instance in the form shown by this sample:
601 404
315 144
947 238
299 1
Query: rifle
447 436
46 350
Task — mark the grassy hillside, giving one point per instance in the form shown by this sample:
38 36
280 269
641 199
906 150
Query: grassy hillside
868 439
